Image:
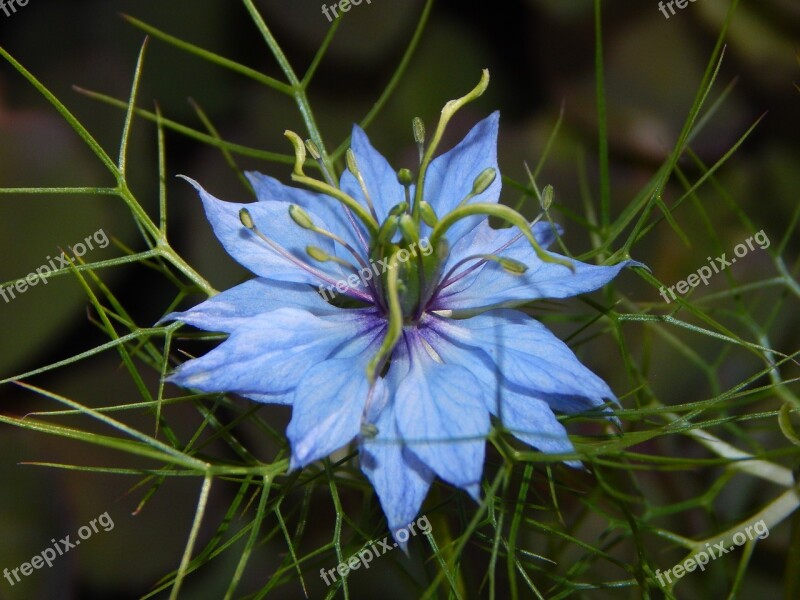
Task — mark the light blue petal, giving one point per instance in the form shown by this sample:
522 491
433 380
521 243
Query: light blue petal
484 239
450 176
532 421
529 418
493 285
531 359
400 479
442 416
273 220
333 214
270 353
285 398
224 311
379 177
328 408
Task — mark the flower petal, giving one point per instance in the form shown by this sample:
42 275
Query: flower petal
380 178
529 357
529 418
450 177
400 479
224 311
270 353
328 407
532 421
492 285
334 215
484 239
441 414
273 220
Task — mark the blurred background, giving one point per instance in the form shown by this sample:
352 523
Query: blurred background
540 54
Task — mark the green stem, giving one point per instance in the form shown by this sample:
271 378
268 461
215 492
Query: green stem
495 210
395 328
298 89
448 111
351 203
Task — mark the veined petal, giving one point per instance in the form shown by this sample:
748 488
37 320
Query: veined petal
333 214
329 406
270 353
532 420
400 479
224 311
273 220
284 398
450 176
529 356
442 416
484 239
528 418
493 286
380 178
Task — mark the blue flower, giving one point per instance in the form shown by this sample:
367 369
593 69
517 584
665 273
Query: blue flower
385 319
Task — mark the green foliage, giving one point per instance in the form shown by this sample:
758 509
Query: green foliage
542 530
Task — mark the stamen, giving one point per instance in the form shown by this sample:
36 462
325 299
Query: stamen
302 219
313 150
548 194
482 182
320 255
428 214
352 166
247 220
510 265
418 127
479 264
399 208
327 189
503 212
388 229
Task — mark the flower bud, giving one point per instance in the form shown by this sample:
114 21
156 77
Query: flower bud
405 177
